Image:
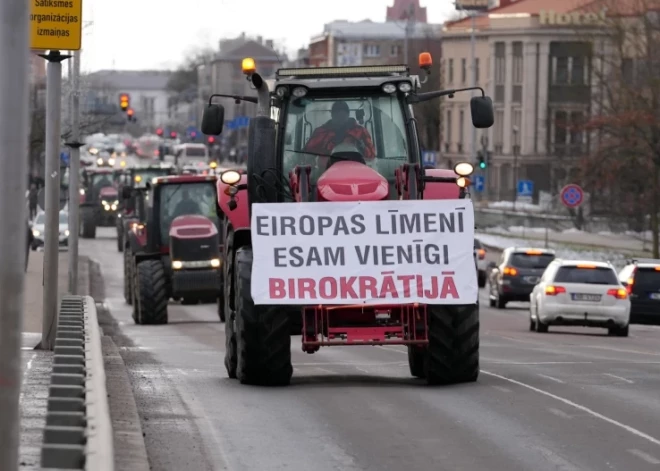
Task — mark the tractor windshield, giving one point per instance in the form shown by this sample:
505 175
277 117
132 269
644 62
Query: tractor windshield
373 124
183 199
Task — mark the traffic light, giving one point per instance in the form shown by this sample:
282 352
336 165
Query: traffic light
193 135
124 101
173 134
130 113
159 131
482 160
211 140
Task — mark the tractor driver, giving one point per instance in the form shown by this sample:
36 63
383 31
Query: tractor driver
186 205
339 130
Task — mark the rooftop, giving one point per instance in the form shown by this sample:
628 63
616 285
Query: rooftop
368 29
241 49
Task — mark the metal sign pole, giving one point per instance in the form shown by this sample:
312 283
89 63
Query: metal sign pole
74 171
14 109
52 195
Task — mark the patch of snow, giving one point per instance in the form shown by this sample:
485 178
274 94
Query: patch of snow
523 207
572 230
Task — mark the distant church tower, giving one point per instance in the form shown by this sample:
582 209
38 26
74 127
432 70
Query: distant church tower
400 9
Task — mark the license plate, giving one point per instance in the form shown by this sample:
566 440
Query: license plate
585 297
655 296
532 279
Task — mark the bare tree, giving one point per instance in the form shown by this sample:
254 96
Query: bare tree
625 121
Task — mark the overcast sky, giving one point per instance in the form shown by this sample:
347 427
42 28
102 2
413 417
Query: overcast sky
157 34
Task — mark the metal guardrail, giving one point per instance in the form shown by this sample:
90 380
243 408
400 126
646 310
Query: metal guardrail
78 431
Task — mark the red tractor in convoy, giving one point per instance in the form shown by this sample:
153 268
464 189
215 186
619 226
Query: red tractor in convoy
135 178
175 252
442 339
99 200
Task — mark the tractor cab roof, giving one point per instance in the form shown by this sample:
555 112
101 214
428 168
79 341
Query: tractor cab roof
344 77
179 179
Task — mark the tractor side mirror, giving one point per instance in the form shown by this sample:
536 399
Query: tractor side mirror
213 120
126 192
481 108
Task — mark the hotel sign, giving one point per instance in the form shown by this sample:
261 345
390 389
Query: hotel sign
552 18
472 5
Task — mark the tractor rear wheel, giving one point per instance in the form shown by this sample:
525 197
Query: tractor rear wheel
128 292
151 295
453 351
416 357
263 337
120 240
87 225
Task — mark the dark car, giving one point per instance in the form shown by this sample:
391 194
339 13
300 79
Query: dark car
641 277
516 273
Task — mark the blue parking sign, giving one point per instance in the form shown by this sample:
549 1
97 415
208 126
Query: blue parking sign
525 188
479 181
429 158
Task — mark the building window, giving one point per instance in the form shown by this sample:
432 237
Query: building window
500 71
560 70
448 135
578 69
628 70
516 124
463 70
498 134
450 71
371 50
517 72
568 136
461 130
570 70
395 50
476 71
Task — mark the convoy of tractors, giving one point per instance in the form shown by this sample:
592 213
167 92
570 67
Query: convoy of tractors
188 237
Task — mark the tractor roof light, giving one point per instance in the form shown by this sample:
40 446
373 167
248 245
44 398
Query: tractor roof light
230 177
464 169
389 88
213 164
299 92
350 71
138 178
248 66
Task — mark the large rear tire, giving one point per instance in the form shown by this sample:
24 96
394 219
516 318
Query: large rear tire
151 294
262 334
416 358
120 240
128 292
453 351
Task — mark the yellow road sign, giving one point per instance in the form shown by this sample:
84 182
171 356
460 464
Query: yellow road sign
56 24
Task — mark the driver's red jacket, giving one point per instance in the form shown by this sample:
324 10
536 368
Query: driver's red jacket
326 137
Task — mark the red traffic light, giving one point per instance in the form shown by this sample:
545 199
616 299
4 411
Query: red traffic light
173 134
193 134
211 139
130 112
159 131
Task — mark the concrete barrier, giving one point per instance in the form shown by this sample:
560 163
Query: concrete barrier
78 431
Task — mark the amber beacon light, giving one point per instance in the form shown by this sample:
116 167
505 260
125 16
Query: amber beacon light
248 66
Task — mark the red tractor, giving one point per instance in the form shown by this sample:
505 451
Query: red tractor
99 200
442 339
176 252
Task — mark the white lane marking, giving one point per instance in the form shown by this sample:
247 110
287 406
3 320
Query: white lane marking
622 350
619 378
503 389
27 348
559 413
349 363
575 405
539 362
551 378
645 456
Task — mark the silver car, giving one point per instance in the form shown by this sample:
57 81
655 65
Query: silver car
39 227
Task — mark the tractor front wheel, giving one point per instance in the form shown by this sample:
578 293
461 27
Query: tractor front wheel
263 337
87 225
227 315
452 355
151 295
128 292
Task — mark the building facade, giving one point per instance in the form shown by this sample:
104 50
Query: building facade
536 68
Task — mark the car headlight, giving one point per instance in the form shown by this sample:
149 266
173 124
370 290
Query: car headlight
66 232
215 263
82 192
113 207
99 161
36 233
176 265
111 161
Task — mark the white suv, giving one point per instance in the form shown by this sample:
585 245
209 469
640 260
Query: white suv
580 293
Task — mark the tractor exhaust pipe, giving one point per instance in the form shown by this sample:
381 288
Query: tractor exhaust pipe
263 95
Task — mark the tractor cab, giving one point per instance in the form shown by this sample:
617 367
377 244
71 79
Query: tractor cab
99 199
178 244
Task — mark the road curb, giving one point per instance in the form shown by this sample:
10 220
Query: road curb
78 431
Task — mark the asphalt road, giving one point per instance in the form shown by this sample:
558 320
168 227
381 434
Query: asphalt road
571 400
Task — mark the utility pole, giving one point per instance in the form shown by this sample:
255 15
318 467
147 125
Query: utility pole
74 170
52 195
484 150
14 109
473 80
409 29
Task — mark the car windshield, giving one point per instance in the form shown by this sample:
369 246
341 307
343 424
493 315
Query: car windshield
64 218
195 152
40 219
186 198
147 175
102 180
592 276
371 128
525 260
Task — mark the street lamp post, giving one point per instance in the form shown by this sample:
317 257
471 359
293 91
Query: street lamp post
515 165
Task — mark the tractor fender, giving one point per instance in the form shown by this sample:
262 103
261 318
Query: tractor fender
142 256
441 190
239 218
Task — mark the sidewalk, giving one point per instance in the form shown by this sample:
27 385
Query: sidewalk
36 364
616 242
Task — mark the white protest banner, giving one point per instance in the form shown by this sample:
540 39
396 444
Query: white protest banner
374 252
